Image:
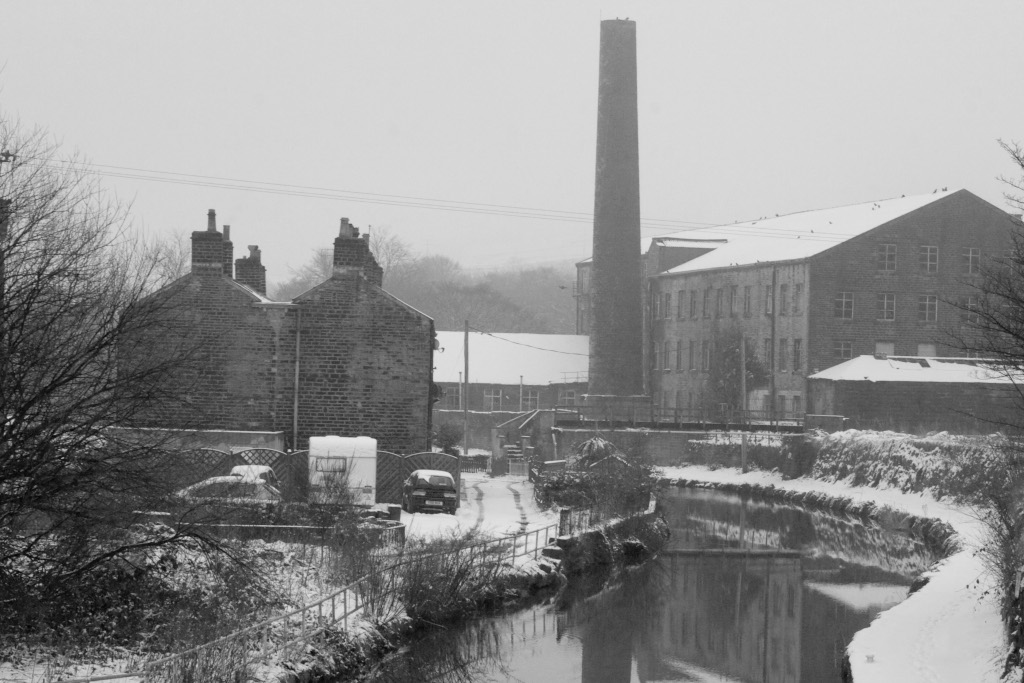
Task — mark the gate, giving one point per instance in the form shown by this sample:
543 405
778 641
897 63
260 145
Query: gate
518 467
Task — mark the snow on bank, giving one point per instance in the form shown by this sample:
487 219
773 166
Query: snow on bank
949 631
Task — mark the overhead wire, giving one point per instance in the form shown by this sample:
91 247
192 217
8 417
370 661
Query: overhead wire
539 348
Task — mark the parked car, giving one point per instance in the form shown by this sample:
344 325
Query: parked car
250 473
231 489
430 491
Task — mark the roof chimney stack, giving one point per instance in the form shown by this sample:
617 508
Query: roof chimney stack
250 271
208 247
211 221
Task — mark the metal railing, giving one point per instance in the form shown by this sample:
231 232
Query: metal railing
377 591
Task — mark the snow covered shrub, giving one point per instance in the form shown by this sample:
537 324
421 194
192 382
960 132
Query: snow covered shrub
602 478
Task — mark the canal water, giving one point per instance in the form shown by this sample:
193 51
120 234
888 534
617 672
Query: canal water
745 591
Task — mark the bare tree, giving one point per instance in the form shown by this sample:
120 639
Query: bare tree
389 250
75 279
318 269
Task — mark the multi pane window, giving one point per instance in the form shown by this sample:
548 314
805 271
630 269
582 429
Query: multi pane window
843 350
927 350
886 307
693 361
666 309
531 399
452 397
783 354
783 299
655 305
798 408
693 303
733 291
705 355
798 348
928 259
706 310
887 257
769 300
680 302
767 351
969 310
972 260
679 355
844 305
747 297
798 297
492 399
885 348
566 397
666 355
927 308
718 303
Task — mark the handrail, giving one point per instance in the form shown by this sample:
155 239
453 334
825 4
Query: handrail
342 593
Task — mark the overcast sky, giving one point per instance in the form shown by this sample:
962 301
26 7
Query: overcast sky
746 109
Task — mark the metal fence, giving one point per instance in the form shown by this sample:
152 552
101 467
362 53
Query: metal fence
375 595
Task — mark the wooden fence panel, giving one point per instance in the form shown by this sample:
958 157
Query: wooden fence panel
392 470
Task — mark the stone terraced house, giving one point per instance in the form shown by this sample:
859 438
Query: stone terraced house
343 358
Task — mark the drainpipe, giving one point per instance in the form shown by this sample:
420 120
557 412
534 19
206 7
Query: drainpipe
771 377
295 391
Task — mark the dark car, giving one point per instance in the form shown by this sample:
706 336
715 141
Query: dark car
430 491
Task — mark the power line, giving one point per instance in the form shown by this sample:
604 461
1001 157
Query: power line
539 348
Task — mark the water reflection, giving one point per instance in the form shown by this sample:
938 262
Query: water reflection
745 592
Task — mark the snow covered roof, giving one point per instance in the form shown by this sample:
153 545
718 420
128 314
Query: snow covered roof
501 357
794 236
916 369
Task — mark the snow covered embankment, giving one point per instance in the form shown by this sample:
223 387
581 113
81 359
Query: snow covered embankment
949 631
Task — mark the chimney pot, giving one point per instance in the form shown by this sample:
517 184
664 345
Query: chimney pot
227 233
211 221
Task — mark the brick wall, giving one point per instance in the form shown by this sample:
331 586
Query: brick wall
952 224
365 366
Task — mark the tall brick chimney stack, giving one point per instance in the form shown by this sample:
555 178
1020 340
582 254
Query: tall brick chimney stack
208 248
251 272
352 254
229 253
616 355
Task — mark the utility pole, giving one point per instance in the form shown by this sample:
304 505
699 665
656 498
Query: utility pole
743 413
5 216
771 376
465 393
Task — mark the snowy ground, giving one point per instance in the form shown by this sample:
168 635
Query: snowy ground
949 631
492 506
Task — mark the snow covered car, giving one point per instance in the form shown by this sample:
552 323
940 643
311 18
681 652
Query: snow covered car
430 491
250 473
233 489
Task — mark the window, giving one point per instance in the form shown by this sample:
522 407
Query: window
783 299
798 408
887 258
680 301
798 297
746 300
706 308
886 309
566 397
492 398
798 347
656 356
972 260
452 396
767 353
693 304
531 399
927 308
843 350
666 356
969 310
885 348
926 350
666 309
705 355
928 259
655 305
769 300
844 305
718 302
693 361
783 354
679 355
733 291
782 411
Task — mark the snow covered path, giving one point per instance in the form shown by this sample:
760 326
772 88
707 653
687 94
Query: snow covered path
948 632
494 506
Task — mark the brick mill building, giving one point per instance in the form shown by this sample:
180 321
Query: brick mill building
806 291
343 358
